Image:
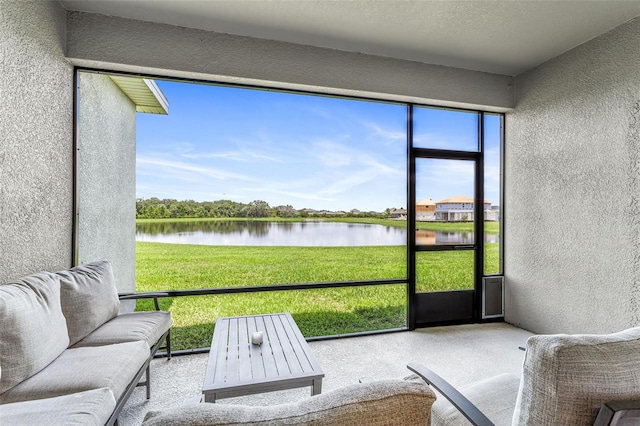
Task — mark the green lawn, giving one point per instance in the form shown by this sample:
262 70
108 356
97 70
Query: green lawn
318 312
181 266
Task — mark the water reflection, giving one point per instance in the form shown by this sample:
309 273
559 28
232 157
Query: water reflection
262 233
427 237
218 227
308 233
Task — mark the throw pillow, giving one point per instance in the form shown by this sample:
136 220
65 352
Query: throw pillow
33 331
89 298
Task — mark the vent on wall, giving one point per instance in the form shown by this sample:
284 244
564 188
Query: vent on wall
493 297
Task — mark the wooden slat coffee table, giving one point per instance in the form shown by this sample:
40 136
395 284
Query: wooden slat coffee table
236 367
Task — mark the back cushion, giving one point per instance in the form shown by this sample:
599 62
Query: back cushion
89 298
33 331
378 403
566 379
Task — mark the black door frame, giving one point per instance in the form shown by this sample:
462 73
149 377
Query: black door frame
447 307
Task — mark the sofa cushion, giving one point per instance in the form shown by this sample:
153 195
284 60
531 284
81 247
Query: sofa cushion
386 402
145 326
567 378
92 407
89 298
81 369
495 397
33 331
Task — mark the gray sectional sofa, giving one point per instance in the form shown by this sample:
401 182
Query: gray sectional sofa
66 354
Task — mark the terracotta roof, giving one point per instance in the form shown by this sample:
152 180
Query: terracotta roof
456 199
426 202
460 199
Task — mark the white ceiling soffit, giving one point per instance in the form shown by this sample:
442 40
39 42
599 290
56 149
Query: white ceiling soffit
496 36
145 94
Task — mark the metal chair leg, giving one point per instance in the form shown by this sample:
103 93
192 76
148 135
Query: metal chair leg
168 341
149 381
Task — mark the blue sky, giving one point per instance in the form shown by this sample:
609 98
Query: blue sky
306 151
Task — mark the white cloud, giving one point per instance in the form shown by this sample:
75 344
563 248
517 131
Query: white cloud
184 171
184 147
332 154
445 171
438 141
229 155
242 156
440 179
381 169
392 135
297 195
348 181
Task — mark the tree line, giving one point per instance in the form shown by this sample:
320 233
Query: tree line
155 208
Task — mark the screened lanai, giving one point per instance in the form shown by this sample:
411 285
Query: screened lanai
544 100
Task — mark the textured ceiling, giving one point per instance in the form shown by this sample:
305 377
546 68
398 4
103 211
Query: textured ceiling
504 37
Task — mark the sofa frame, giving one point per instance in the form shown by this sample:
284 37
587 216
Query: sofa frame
146 367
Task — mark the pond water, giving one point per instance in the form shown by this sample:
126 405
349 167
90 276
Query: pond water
308 233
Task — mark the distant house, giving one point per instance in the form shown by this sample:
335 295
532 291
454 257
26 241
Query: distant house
494 214
460 208
399 214
426 210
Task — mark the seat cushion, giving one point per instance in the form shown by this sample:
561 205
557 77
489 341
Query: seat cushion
81 369
92 407
33 331
495 397
89 298
567 378
145 326
392 402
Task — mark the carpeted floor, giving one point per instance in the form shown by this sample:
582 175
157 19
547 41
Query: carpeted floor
461 354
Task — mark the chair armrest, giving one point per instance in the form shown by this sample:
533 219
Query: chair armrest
144 295
622 412
458 400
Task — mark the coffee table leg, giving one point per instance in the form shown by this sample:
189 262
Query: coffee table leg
316 387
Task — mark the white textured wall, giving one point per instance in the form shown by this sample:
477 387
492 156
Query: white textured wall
572 208
130 45
35 139
106 178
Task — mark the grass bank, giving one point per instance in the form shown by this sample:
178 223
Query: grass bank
223 219
489 227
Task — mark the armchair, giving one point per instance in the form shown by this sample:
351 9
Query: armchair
565 381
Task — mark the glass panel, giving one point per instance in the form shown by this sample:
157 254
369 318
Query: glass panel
444 270
241 187
318 312
445 201
445 129
492 193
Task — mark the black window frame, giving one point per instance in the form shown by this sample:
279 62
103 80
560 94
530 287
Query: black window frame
412 153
